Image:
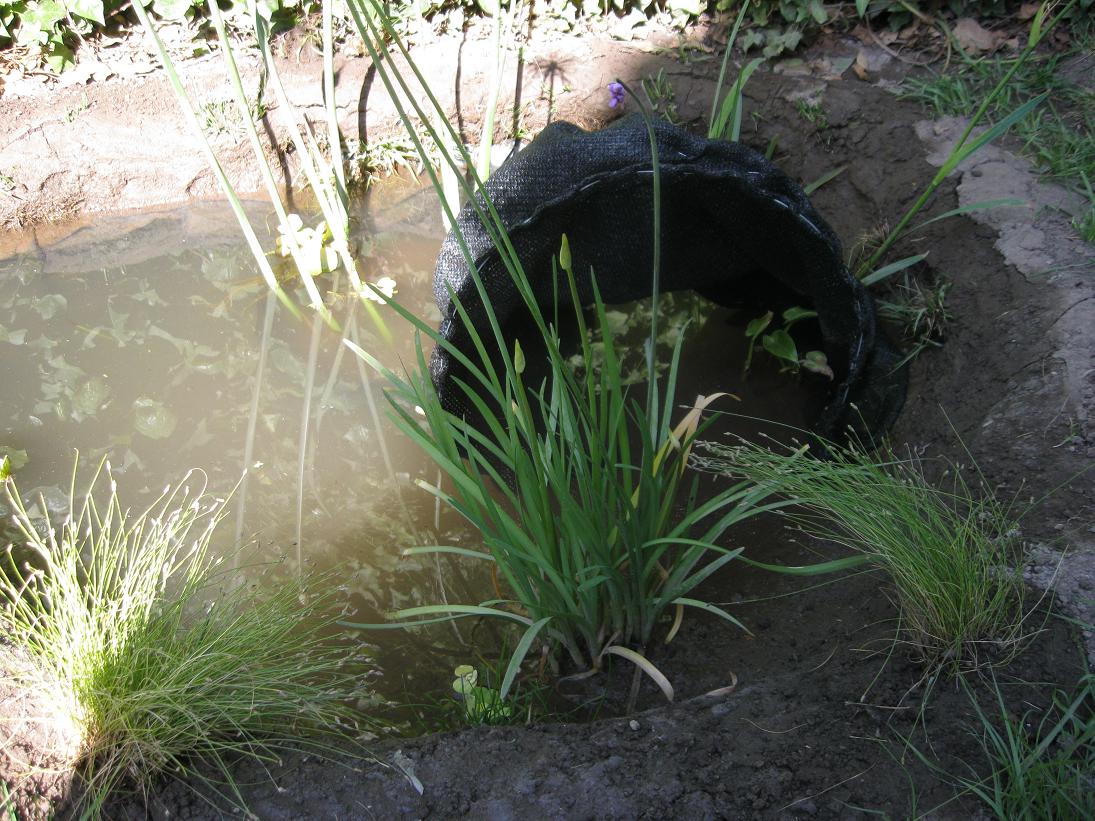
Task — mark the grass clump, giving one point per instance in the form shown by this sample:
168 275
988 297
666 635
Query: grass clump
950 554
145 655
579 492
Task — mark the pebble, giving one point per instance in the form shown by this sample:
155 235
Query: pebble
633 724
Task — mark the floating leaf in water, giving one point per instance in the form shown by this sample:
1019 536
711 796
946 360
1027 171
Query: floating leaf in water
14 459
147 295
14 337
154 419
50 305
90 397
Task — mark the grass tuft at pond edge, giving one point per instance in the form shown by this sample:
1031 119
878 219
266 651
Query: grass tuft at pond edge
150 658
951 554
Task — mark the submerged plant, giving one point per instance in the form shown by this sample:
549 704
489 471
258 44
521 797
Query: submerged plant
950 554
148 657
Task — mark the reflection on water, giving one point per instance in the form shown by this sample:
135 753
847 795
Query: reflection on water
152 340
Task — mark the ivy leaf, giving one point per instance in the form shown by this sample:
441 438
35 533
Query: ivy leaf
172 9
779 344
60 58
88 9
817 11
693 8
267 8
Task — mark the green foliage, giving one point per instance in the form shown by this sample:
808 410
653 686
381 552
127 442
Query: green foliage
479 704
1038 770
920 310
49 29
1059 137
591 540
660 96
150 654
779 343
968 143
576 487
813 113
948 553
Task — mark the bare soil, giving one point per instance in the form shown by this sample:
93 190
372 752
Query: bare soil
824 710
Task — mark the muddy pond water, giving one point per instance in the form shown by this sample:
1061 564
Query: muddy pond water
152 341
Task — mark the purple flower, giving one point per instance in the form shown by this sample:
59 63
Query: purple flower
616 94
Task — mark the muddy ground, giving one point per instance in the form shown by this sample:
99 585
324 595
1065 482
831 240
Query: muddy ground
823 718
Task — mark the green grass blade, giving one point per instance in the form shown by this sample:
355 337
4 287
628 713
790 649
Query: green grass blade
519 654
887 271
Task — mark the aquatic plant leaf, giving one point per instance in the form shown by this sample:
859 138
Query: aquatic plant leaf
795 313
466 677
50 305
756 326
14 459
153 419
780 344
90 397
14 337
817 362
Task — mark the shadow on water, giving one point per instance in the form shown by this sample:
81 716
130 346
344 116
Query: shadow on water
150 340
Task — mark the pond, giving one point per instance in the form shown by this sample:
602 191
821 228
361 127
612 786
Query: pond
150 340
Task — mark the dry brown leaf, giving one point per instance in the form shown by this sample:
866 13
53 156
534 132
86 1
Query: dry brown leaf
972 37
860 66
1027 11
909 31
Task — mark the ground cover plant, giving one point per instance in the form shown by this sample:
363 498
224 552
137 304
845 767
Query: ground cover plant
1059 136
150 657
953 555
1038 767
